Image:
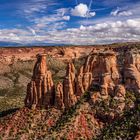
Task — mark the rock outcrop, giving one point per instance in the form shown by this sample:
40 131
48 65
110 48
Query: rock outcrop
59 97
79 83
84 80
69 86
137 137
119 98
132 71
40 91
99 70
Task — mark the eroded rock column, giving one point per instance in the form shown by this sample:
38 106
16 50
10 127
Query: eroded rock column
59 98
40 91
132 71
69 86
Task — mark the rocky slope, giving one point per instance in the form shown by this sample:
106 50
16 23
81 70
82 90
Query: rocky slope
100 69
16 66
85 103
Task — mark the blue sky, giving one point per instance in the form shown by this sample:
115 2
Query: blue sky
78 22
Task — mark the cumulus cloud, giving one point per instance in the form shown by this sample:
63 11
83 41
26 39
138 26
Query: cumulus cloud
82 10
99 33
13 35
122 25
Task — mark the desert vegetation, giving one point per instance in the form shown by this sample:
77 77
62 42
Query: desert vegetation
94 115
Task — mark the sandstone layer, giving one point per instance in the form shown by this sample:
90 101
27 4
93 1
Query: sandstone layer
40 91
100 70
132 71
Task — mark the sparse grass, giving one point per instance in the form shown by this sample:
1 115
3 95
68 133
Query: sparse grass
55 65
22 65
11 98
78 62
69 113
126 126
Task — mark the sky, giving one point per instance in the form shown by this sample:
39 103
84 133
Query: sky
69 22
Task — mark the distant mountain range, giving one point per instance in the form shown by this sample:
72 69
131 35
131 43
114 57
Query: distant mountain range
15 44
7 44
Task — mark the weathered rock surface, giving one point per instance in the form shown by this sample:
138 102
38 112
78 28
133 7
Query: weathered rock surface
41 88
100 69
59 97
137 137
84 80
69 86
41 91
132 71
79 83
119 98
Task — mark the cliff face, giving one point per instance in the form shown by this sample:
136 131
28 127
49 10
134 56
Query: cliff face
100 69
69 86
40 91
132 71
105 80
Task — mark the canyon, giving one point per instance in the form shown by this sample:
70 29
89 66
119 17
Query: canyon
100 69
70 93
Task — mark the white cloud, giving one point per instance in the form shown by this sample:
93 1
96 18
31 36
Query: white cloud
28 9
55 21
37 7
115 12
62 11
125 13
119 12
118 27
66 17
33 31
99 33
92 14
13 35
51 18
51 22
82 10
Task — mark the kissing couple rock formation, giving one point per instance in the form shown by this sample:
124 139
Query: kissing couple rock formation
101 69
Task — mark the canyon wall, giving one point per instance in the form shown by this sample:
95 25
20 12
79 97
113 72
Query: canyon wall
101 69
